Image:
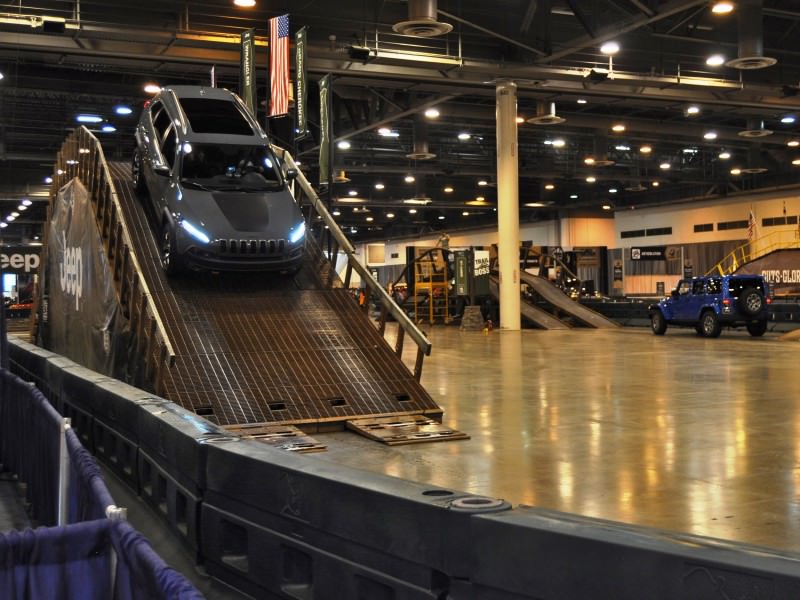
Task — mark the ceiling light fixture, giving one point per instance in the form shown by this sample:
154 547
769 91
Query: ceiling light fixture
573 196
715 60
520 120
622 148
245 3
410 178
343 145
724 155
48 180
432 113
483 183
108 128
390 215
549 186
796 161
612 190
581 101
589 160
559 143
788 119
379 186
152 88
352 193
656 184
591 179
793 143
710 135
722 8
448 189
464 136
606 207
123 110
412 211
609 48
692 110
85 118
736 171
665 166
26 203
441 217
465 213
646 149
618 128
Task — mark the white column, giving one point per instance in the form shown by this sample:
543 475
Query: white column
508 204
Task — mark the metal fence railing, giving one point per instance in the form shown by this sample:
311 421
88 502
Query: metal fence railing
756 248
82 156
324 232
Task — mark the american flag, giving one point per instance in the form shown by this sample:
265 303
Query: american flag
279 65
751 227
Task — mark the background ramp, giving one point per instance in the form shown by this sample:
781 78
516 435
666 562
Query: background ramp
563 303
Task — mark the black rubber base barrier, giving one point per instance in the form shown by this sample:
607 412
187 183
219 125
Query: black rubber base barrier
279 525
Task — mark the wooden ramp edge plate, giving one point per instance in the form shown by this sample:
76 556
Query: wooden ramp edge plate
405 429
283 437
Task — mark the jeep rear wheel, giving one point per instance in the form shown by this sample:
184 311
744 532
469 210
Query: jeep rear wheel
757 328
709 323
751 302
658 323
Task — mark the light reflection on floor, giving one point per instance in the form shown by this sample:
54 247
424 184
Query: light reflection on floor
676 432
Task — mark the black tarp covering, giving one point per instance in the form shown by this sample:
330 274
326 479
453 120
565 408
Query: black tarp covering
81 318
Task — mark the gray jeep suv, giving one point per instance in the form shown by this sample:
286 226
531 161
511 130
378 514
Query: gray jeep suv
219 197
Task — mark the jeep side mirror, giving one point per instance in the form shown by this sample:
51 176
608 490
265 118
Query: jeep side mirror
674 293
162 170
291 174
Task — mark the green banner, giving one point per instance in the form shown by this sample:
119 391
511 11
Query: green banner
247 76
324 129
301 96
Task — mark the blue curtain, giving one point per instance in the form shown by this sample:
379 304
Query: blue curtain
57 563
28 420
88 494
141 573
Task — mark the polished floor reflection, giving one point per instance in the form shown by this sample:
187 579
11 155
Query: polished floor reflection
675 432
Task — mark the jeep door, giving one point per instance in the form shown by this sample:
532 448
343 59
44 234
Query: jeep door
683 303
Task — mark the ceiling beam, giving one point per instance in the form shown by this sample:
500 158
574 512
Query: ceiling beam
609 33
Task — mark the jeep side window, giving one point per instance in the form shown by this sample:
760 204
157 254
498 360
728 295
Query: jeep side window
161 119
168 147
714 285
699 287
684 287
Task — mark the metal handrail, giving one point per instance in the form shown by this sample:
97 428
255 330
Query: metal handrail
387 302
754 249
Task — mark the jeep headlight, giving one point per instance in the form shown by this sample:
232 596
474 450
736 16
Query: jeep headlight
195 232
297 232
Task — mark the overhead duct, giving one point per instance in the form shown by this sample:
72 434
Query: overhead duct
601 149
420 151
755 129
546 115
422 20
750 20
754 163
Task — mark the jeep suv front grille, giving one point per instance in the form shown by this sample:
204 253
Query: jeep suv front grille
252 247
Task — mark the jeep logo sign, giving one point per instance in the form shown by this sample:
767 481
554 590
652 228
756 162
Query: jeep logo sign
20 260
71 272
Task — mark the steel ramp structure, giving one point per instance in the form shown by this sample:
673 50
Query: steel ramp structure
253 348
247 348
564 304
534 314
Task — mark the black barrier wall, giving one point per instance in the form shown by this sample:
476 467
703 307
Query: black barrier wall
275 524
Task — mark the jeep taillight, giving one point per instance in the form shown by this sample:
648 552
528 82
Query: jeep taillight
726 302
769 300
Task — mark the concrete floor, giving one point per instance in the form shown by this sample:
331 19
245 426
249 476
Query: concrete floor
675 432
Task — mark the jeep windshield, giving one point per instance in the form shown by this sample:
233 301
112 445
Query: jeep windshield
229 167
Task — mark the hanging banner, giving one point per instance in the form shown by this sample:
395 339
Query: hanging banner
324 129
279 66
300 76
247 77
481 272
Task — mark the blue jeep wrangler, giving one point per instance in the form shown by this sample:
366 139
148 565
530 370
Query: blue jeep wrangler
708 303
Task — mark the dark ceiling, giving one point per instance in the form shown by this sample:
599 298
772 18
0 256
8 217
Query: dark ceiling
60 58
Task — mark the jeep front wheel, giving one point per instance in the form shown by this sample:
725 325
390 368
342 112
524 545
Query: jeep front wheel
658 323
757 328
709 323
751 302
